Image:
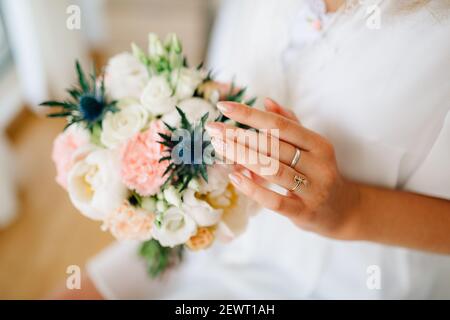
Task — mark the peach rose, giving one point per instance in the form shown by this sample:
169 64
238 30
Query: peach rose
65 148
141 169
129 223
201 240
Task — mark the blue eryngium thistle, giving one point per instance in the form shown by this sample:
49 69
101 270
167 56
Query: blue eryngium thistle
91 107
186 164
87 104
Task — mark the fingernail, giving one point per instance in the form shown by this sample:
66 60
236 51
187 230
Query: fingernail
214 128
235 178
224 106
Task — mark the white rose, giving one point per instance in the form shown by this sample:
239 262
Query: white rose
172 196
119 126
217 180
176 228
125 76
203 214
185 82
194 108
94 184
157 96
235 218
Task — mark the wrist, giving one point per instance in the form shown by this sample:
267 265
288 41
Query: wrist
352 217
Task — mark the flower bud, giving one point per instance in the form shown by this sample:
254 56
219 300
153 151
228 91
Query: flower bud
138 53
155 47
172 196
161 206
173 43
149 203
194 185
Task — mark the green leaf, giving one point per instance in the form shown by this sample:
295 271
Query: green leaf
135 199
81 77
74 93
102 87
159 258
166 158
185 124
168 126
203 119
62 104
168 144
165 136
96 131
251 101
204 172
94 79
59 114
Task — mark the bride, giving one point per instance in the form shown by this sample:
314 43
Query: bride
365 152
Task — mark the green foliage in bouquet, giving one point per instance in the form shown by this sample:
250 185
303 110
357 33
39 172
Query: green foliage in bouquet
159 258
162 57
88 103
180 173
237 96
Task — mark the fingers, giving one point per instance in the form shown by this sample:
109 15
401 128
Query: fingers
288 130
269 168
273 106
257 179
265 144
290 207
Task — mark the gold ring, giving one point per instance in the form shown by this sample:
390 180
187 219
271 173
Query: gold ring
296 157
299 182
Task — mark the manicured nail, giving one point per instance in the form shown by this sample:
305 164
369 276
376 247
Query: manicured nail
224 106
214 128
235 178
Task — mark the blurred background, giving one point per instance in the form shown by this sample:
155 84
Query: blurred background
41 234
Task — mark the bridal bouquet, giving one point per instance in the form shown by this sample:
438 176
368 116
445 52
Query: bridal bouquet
135 155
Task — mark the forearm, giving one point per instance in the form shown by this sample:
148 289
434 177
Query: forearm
402 218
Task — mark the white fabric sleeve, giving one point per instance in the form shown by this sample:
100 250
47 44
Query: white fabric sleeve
432 177
118 272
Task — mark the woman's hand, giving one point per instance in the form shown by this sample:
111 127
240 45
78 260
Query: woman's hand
318 198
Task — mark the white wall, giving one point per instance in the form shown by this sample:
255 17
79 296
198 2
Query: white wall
44 49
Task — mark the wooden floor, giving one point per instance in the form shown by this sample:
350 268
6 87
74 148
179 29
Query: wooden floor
49 234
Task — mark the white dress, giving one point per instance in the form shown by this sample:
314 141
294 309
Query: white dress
382 96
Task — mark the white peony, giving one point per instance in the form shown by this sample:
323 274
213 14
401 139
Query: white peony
185 81
119 126
176 228
94 184
217 180
158 97
125 76
194 108
235 218
203 214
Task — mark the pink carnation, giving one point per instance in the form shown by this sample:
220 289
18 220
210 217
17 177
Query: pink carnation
65 148
129 223
141 169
